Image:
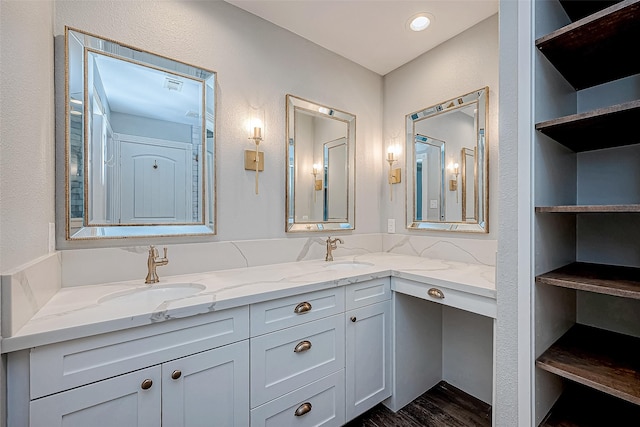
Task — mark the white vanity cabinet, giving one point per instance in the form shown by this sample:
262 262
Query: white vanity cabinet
184 372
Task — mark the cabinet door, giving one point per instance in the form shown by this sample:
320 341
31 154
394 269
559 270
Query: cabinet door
368 355
207 389
131 400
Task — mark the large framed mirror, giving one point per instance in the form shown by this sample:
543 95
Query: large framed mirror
447 157
320 153
139 142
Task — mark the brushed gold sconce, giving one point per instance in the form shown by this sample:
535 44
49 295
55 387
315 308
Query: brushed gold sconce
254 160
454 168
317 183
395 175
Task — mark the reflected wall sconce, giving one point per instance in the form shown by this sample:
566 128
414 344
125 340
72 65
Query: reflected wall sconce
395 175
254 159
317 183
454 168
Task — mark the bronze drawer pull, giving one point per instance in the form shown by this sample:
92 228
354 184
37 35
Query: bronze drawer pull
353 319
303 307
303 409
302 346
436 293
146 384
176 374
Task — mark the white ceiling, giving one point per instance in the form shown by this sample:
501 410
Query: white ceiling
372 33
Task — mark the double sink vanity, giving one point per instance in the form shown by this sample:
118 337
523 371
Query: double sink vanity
316 341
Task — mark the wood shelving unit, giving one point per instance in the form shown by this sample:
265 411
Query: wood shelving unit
599 278
609 127
600 368
598 43
604 360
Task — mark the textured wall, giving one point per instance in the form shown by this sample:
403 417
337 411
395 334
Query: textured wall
257 65
458 66
27 126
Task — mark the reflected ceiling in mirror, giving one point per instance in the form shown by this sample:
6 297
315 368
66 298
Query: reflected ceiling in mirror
447 157
320 150
139 142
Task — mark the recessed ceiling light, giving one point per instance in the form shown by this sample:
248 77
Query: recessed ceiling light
420 21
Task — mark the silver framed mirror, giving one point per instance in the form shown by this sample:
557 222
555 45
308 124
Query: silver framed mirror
447 158
139 148
320 173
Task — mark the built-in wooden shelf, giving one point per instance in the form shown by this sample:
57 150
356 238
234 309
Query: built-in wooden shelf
578 9
598 48
589 209
599 278
582 407
608 127
603 360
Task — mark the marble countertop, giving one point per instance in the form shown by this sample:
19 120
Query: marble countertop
76 312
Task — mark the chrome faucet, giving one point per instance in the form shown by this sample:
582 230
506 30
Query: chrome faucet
331 245
154 261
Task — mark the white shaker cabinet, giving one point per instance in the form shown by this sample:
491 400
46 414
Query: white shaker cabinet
192 391
209 388
368 347
130 400
184 372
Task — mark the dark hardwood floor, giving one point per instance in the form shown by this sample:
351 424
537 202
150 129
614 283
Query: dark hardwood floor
441 406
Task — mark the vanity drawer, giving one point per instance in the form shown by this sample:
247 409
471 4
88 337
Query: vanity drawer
289 359
454 298
367 293
68 364
318 404
282 313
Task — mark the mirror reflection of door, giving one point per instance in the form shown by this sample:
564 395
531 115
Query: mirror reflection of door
335 166
469 185
154 176
429 155
320 141
456 127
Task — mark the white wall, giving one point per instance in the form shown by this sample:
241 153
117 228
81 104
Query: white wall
458 66
27 126
257 65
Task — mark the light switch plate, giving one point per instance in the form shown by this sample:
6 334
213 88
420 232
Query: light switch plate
391 225
433 204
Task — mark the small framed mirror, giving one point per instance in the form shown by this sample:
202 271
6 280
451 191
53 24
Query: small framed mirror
447 156
139 142
320 153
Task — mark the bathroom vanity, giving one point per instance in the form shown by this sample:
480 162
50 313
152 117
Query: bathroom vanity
312 341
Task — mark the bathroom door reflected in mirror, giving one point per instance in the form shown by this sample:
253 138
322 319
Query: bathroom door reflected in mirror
321 169
447 155
139 145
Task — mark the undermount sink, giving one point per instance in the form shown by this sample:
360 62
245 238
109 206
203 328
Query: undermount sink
154 294
346 265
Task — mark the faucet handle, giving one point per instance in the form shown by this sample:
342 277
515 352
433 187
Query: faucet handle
165 252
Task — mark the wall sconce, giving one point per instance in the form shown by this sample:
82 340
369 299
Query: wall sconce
395 175
317 183
454 168
254 160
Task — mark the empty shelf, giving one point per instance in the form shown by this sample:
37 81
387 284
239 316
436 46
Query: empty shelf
598 48
600 359
582 407
599 278
608 127
589 209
